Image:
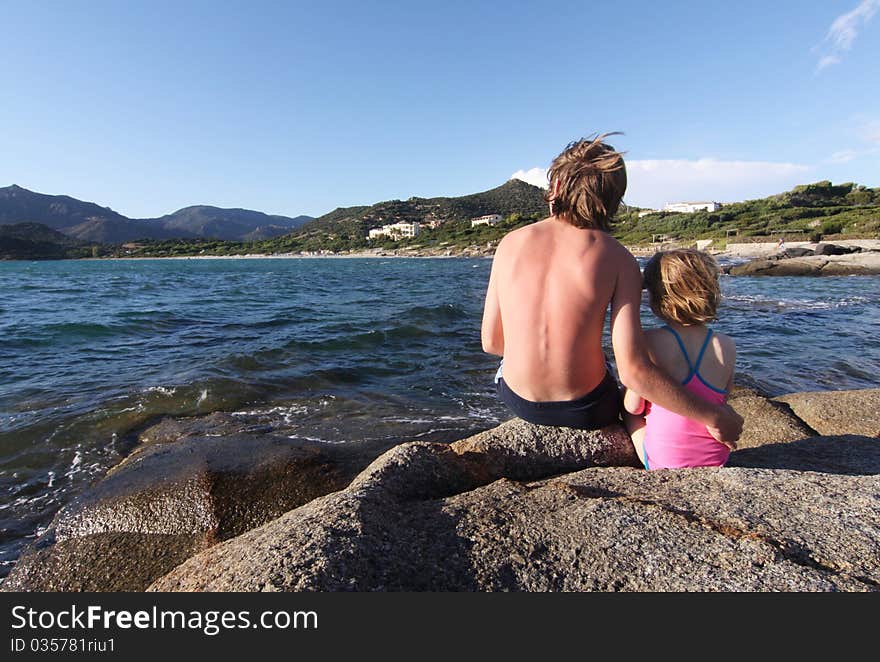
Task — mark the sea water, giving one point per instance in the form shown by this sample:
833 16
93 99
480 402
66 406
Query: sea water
333 350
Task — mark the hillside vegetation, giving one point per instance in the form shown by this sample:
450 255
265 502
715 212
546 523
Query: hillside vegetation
33 241
806 212
346 228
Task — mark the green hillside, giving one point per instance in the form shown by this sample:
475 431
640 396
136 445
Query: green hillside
34 241
804 212
347 228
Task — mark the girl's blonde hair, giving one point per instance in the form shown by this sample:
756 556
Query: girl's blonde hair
683 286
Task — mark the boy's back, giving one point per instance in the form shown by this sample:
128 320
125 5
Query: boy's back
554 283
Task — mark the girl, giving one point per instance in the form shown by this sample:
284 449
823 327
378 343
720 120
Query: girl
683 291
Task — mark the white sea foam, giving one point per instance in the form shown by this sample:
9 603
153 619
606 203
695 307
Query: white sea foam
289 414
162 390
317 439
75 465
796 304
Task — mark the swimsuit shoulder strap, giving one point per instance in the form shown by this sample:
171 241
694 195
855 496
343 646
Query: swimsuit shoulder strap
684 352
696 367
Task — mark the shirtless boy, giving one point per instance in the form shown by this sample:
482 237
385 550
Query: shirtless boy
550 286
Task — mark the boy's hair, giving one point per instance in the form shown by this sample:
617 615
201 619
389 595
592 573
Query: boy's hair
683 286
587 182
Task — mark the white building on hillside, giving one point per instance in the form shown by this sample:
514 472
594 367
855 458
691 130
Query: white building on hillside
395 230
489 219
691 207
405 229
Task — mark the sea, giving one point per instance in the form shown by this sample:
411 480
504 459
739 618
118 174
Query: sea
335 350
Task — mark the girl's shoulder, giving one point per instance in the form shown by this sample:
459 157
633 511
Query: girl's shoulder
662 342
658 337
663 348
725 342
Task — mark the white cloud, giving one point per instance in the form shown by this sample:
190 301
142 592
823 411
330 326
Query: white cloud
870 131
534 176
827 61
652 183
844 30
843 156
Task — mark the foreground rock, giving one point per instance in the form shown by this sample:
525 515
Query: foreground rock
793 514
597 529
171 499
518 507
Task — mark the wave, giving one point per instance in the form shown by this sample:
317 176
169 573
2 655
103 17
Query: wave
443 313
761 302
363 340
83 330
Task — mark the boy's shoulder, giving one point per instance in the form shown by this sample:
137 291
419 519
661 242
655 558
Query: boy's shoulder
520 234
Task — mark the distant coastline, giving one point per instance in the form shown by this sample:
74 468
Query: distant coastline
731 251
40 226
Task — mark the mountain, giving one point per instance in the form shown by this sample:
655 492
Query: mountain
117 231
513 197
34 241
87 221
233 224
18 205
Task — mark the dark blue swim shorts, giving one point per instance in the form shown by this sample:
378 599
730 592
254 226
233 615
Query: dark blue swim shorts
598 408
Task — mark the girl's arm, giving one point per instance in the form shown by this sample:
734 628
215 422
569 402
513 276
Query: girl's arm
633 402
732 350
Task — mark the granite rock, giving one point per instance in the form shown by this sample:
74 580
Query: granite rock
606 529
766 421
178 497
838 412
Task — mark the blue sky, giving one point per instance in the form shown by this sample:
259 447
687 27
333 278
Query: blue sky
297 108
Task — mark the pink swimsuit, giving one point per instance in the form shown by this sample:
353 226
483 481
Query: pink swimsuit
673 441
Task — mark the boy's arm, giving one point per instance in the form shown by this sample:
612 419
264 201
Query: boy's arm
492 332
639 374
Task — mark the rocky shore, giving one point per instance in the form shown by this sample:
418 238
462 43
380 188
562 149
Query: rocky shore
203 505
814 260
